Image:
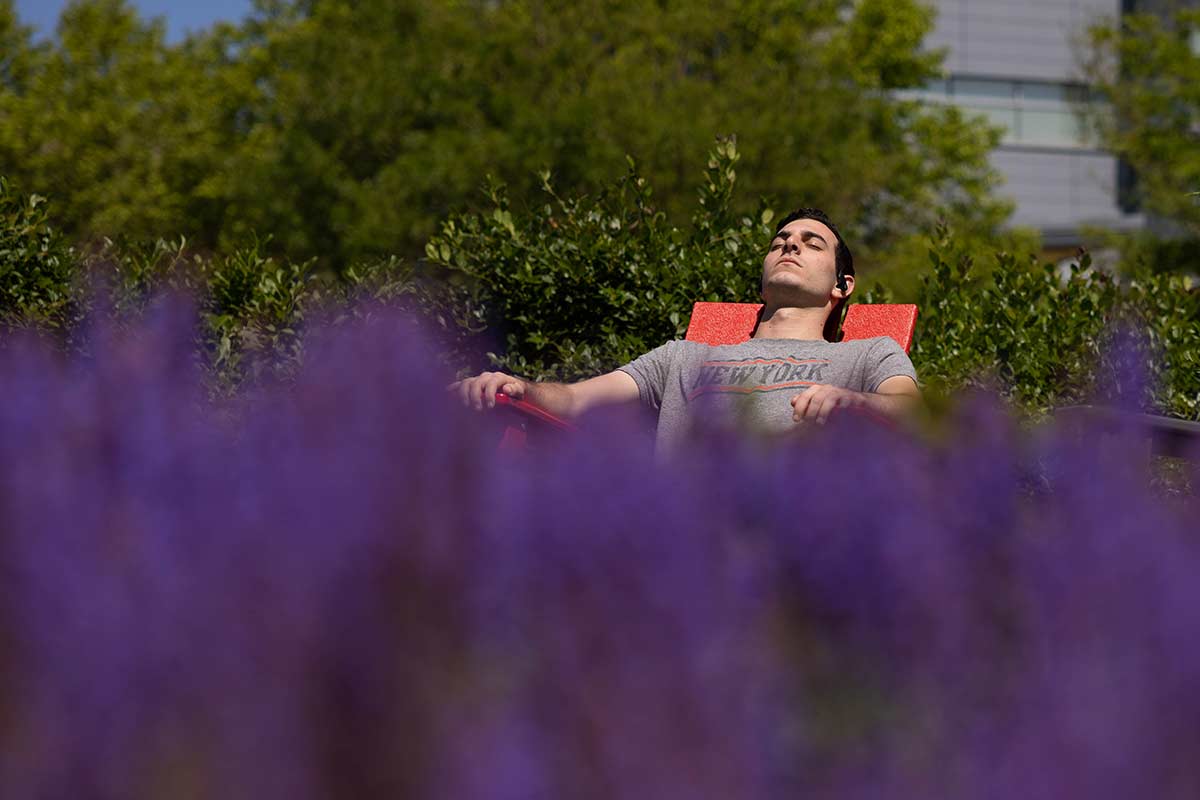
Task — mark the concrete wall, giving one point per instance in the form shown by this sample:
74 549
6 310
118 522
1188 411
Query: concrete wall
1016 38
1057 192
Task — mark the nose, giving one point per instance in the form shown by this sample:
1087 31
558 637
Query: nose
791 246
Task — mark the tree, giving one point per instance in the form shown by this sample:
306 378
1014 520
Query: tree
346 130
1147 70
124 132
381 117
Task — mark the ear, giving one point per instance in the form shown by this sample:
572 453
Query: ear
842 294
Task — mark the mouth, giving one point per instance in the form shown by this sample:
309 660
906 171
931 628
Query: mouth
788 261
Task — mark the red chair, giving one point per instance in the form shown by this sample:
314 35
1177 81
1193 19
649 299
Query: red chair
729 323
734 323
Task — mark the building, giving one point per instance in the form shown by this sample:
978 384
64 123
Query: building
1017 62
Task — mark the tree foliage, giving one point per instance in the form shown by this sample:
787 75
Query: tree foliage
1147 69
124 131
346 130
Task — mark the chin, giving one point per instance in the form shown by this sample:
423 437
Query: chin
787 293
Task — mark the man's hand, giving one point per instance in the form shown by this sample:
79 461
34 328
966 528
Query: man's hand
480 392
817 402
894 400
560 399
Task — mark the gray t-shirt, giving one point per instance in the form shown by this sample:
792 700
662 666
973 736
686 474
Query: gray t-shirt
755 381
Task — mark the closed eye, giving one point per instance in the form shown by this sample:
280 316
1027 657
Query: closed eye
813 240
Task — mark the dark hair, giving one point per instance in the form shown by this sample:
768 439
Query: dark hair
843 262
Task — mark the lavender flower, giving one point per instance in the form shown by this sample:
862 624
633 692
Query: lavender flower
338 587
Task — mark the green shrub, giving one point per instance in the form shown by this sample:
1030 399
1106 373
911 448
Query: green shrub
252 308
1167 307
128 275
36 265
1044 339
578 286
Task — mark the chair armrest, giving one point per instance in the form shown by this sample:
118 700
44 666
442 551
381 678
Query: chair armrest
535 412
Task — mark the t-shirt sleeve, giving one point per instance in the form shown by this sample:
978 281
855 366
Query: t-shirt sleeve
886 359
650 372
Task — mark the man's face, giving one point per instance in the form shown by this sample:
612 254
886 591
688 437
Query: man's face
800 268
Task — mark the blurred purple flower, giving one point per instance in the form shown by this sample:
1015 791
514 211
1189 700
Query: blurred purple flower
338 587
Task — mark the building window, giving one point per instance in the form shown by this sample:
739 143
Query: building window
1032 113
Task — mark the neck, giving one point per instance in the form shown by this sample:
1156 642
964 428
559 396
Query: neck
786 322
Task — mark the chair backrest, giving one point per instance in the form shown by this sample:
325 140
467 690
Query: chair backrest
732 323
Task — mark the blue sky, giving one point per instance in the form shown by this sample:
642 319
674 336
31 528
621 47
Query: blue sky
181 15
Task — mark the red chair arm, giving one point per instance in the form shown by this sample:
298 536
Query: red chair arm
536 412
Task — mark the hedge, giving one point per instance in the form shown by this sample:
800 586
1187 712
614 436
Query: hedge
578 285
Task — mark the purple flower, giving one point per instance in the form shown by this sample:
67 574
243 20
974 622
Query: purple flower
338 587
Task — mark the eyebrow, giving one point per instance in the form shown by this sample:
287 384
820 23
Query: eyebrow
805 235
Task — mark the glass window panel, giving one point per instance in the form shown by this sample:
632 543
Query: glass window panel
1051 92
971 90
1055 128
937 88
1005 117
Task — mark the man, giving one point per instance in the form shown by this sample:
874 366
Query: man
786 374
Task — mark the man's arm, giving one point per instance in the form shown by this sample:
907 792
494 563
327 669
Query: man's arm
894 399
561 399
